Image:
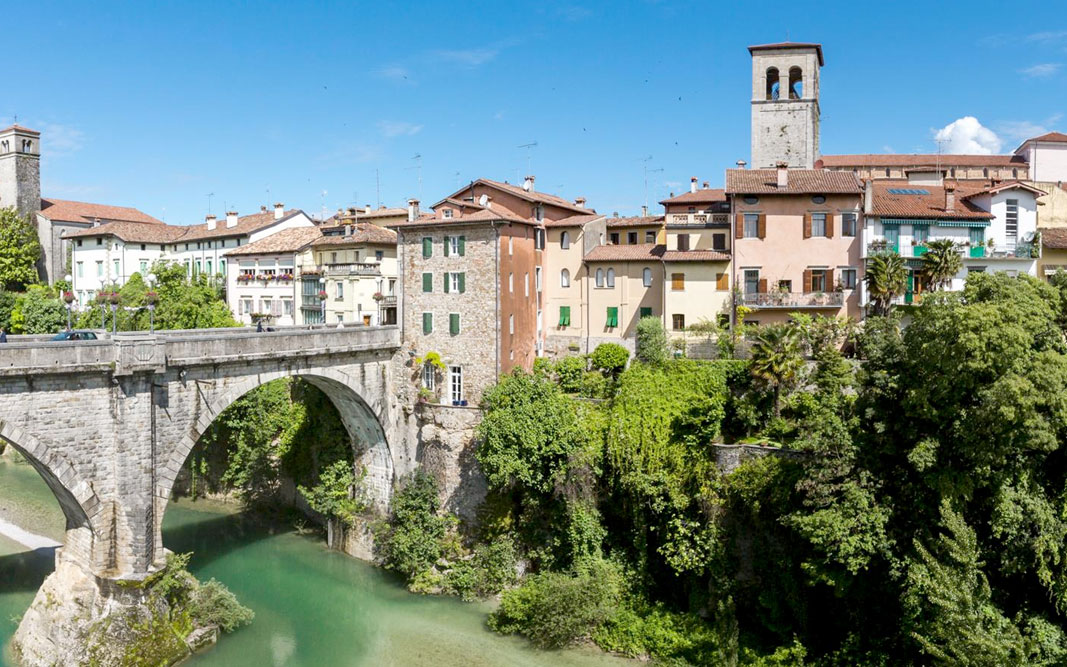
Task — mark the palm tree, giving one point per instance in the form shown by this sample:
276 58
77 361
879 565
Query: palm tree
776 359
941 262
886 278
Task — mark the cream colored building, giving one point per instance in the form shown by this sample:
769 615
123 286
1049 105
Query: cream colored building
563 280
356 265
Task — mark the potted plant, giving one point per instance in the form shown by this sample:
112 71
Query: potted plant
101 297
322 295
68 296
151 298
114 298
378 296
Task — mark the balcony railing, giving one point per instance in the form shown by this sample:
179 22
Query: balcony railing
1017 251
354 269
794 299
388 300
697 219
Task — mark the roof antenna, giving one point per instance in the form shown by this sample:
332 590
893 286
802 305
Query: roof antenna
939 143
528 147
209 196
648 171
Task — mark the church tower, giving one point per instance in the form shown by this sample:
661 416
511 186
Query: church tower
20 169
785 104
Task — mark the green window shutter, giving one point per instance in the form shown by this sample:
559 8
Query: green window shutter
564 316
427 246
462 247
447 281
427 323
453 324
447 251
646 312
427 282
613 316
462 280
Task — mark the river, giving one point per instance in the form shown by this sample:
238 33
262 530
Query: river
313 606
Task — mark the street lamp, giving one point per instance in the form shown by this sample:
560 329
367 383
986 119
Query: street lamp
322 297
150 298
101 299
68 296
114 298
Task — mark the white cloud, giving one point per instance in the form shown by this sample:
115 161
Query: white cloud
398 128
1041 70
397 73
966 135
1048 36
574 13
468 57
888 149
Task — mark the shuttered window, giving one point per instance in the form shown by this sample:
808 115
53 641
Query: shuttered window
453 324
722 281
677 281
427 246
462 246
646 312
427 282
613 316
447 245
564 316
462 281
427 323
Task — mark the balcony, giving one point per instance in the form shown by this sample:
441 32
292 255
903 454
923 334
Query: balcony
387 301
793 300
1017 251
698 219
353 269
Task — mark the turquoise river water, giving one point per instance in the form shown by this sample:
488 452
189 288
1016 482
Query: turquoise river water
313 606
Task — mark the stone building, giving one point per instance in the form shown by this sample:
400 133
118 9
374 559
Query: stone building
785 104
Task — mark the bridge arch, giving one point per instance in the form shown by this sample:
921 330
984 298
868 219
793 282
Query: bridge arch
365 420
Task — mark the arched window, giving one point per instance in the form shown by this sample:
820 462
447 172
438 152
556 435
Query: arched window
565 240
564 278
611 277
600 277
796 84
985 173
1015 173
646 277
772 83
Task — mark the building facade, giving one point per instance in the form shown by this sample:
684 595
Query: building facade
357 265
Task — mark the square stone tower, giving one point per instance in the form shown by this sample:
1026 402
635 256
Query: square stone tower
785 104
20 169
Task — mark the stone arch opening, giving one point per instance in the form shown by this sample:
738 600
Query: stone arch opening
796 83
773 85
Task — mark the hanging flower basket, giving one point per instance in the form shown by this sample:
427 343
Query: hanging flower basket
68 296
101 297
151 298
378 296
322 295
114 298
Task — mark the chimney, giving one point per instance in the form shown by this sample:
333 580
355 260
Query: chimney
231 219
693 184
413 210
210 220
705 186
262 209
580 202
741 164
96 222
348 230
868 197
783 175
279 210
366 208
950 198
528 184
644 211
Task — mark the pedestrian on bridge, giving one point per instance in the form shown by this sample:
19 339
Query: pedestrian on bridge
3 335
259 326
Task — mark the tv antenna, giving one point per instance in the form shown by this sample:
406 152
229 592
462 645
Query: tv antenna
323 196
378 186
418 168
209 196
648 171
528 146
940 143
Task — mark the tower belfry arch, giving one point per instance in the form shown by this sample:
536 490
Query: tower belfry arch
785 104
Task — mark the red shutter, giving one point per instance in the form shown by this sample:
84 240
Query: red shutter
739 226
829 280
807 280
807 227
829 226
762 288
762 227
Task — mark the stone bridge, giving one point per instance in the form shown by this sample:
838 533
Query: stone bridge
109 424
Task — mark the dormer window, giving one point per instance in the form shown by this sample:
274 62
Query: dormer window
447 214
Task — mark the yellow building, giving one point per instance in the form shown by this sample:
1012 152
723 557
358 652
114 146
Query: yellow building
356 265
1053 252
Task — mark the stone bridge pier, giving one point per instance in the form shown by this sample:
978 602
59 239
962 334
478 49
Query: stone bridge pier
109 424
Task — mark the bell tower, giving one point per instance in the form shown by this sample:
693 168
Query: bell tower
20 169
785 104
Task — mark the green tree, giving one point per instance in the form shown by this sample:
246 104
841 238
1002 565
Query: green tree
38 311
610 358
7 308
337 496
776 359
651 338
413 538
886 276
941 262
19 251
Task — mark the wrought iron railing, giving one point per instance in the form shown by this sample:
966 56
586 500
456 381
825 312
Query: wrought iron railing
793 299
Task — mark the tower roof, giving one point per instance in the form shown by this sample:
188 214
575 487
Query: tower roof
20 130
789 45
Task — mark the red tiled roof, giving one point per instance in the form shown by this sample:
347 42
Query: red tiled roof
801 181
132 232
528 195
625 253
921 160
1056 137
1007 185
789 45
480 215
20 128
931 205
1054 237
573 221
362 232
702 196
695 256
77 211
285 241
246 224
635 221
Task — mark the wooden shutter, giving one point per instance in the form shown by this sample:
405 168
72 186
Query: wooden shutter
564 316
427 246
677 281
739 226
447 276
762 286
453 323
448 250
829 225
462 280
807 280
722 281
462 247
761 230
427 282
807 226
829 280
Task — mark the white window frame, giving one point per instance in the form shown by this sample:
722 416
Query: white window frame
611 278
565 278
821 218
340 289
646 277
456 383
600 277
453 279
429 377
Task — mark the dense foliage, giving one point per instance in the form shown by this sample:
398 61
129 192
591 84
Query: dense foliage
19 251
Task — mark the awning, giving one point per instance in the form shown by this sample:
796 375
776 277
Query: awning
940 223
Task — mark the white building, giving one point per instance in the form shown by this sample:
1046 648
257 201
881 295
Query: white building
1047 155
262 282
356 265
106 255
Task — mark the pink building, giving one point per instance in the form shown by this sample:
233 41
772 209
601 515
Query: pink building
797 240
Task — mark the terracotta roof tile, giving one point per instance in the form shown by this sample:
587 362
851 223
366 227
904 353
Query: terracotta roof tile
625 253
77 211
695 256
528 195
1007 185
362 232
285 241
702 196
635 221
1054 237
573 221
930 205
801 181
921 160
20 128
477 216
246 224
1057 137
132 232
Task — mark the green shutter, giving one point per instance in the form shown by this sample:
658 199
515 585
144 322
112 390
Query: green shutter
427 246
453 324
427 323
646 312
613 316
447 275
564 316
462 247
462 280
447 250
427 282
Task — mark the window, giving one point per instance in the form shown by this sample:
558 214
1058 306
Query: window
785 286
887 172
454 245
427 246
79 243
453 324
537 278
100 242
683 242
751 281
511 246
650 237
511 324
287 307
539 239
333 258
677 281
751 223
208 268
646 277
848 224
564 316
456 282
818 280
977 236
565 240
526 284
340 290
511 283
222 268
379 255
447 214
427 282
612 317
564 278
985 173
818 199
921 233
975 269
818 224
773 85
600 277
645 312
427 323
613 238
848 278
457 384
265 305
611 278
751 200
115 264
678 321
246 306
539 212
429 377
144 266
718 242
1011 220
631 238
80 269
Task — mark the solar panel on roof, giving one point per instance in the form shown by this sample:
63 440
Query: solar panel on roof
907 191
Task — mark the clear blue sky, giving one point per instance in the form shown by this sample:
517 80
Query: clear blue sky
155 105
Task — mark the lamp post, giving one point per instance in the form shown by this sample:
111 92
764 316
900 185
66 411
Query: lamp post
151 298
114 298
322 297
68 296
101 299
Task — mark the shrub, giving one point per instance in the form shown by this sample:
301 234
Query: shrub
640 630
214 604
652 345
594 385
490 570
412 539
610 358
569 372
